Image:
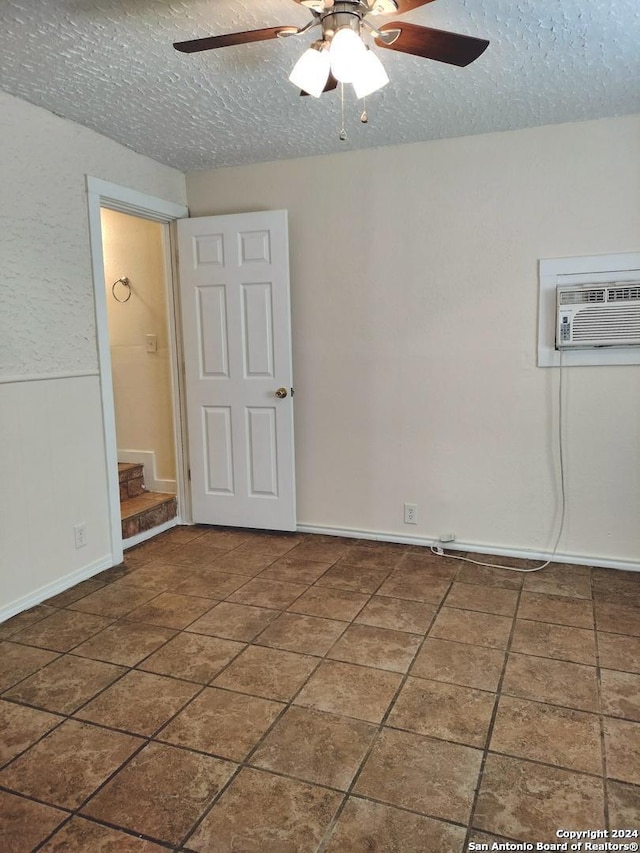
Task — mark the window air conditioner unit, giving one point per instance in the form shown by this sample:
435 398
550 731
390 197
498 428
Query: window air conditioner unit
598 315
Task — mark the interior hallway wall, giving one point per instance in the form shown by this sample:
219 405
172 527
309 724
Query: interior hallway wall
414 299
134 247
52 456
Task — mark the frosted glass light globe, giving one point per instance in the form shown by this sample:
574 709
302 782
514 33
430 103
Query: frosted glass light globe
370 75
311 71
347 52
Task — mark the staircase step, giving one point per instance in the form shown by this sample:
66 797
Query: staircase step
131 477
145 511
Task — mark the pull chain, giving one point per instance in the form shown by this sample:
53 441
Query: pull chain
343 132
364 118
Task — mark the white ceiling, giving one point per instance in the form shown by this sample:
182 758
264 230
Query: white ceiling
110 65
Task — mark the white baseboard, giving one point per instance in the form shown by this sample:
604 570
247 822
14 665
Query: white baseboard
57 586
149 534
148 459
516 553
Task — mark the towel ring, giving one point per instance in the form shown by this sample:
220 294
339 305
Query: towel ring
124 281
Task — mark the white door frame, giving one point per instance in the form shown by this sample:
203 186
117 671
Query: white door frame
104 194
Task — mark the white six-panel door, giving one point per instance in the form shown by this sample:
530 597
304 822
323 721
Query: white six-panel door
234 294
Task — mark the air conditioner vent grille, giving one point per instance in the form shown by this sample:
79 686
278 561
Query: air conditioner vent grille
577 297
612 324
620 294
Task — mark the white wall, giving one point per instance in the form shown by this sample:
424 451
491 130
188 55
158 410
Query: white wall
134 247
414 294
52 465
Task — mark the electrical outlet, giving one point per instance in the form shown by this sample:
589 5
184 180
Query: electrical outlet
80 534
410 513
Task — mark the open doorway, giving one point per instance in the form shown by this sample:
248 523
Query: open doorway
103 195
138 324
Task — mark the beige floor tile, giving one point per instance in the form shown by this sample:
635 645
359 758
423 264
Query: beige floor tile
422 563
28 617
622 750
556 682
556 579
17 662
540 607
444 711
208 583
365 826
616 619
274 544
139 703
398 614
65 684
170 610
269 813
296 632
316 747
67 765
415 587
488 599
522 800
156 575
624 805
125 643
293 570
354 691
491 577
21 727
195 554
379 647
161 792
270 673
75 593
245 563
25 824
234 621
459 663
223 723
356 578
325 551
553 735
421 774
262 592
620 694
85 835
467 626
61 631
619 651
113 600
330 603
367 557
193 657
554 641
224 538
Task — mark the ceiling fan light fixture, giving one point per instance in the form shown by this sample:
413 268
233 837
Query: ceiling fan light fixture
347 53
311 71
371 75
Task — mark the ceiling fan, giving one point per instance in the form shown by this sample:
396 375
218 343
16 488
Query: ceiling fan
340 55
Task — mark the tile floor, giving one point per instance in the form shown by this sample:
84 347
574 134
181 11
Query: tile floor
227 690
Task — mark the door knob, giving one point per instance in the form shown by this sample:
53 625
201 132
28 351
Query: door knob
281 393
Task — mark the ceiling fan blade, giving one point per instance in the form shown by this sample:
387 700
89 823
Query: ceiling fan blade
212 42
330 84
410 5
441 45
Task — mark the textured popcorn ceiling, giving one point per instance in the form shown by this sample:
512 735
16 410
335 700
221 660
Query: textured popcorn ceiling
110 65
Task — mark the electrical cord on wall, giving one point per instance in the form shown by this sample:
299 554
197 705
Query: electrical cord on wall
563 498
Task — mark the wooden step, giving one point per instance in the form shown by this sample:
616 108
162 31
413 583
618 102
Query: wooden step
131 477
145 511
